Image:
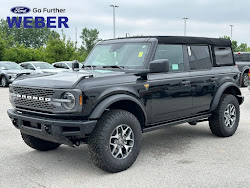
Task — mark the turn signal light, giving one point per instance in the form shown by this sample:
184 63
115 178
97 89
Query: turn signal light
80 100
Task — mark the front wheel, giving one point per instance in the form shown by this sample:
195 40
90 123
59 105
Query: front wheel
115 142
245 80
225 119
4 81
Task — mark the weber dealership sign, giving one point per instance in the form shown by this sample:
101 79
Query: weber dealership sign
37 21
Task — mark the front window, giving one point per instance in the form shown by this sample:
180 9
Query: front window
43 65
174 55
10 66
118 54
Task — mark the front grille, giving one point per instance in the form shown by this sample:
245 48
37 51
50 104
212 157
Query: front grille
32 103
33 91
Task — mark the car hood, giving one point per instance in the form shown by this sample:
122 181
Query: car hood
62 80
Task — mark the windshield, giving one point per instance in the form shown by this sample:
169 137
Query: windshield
43 65
10 66
118 54
242 57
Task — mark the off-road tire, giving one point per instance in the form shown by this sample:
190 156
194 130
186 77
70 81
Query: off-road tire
245 80
39 144
6 84
99 141
217 122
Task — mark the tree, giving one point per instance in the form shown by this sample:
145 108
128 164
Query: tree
242 47
29 37
2 47
89 39
59 50
18 54
81 55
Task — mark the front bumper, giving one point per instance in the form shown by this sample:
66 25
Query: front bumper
54 130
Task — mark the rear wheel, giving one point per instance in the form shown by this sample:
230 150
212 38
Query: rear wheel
4 81
39 144
115 142
225 119
245 80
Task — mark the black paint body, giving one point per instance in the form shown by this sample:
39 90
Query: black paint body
170 97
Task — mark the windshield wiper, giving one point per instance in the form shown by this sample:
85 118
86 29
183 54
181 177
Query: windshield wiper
113 66
90 66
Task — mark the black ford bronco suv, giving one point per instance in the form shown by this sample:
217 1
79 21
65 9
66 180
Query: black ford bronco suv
125 88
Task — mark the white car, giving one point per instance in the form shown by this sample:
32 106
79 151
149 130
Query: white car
65 65
9 71
39 66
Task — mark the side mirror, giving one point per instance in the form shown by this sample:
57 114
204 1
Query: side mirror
75 65
160 65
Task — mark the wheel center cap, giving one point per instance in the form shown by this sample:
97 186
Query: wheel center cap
120 141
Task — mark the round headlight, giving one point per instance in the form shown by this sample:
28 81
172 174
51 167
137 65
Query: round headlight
71 101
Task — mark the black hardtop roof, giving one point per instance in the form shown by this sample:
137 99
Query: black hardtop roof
181 40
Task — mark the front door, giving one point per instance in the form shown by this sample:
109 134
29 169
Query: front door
170 92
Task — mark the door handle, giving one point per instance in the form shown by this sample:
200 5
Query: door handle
185 82
213 79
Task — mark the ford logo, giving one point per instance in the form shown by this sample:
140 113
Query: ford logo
20 10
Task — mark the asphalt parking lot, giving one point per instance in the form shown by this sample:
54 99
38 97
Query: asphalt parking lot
179 156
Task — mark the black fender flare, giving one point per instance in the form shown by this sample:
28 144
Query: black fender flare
220 92
104 104
245 68
242 74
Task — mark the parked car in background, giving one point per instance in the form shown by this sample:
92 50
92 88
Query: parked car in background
65 65
9 71
40 66
242 60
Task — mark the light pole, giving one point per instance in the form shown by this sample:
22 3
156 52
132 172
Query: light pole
114 6
185 25
231 32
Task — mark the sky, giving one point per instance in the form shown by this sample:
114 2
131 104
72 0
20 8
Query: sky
207 18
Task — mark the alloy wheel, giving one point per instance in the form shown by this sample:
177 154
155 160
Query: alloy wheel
121 141
230 115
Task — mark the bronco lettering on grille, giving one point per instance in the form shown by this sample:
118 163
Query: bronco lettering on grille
31 97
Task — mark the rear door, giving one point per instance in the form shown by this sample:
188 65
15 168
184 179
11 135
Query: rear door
203 79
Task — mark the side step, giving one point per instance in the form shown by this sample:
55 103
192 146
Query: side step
191 119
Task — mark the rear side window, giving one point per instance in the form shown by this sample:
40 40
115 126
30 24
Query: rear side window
174 55
64 66
223 56
199 57
30 67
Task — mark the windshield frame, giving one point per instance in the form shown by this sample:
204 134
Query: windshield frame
144 64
